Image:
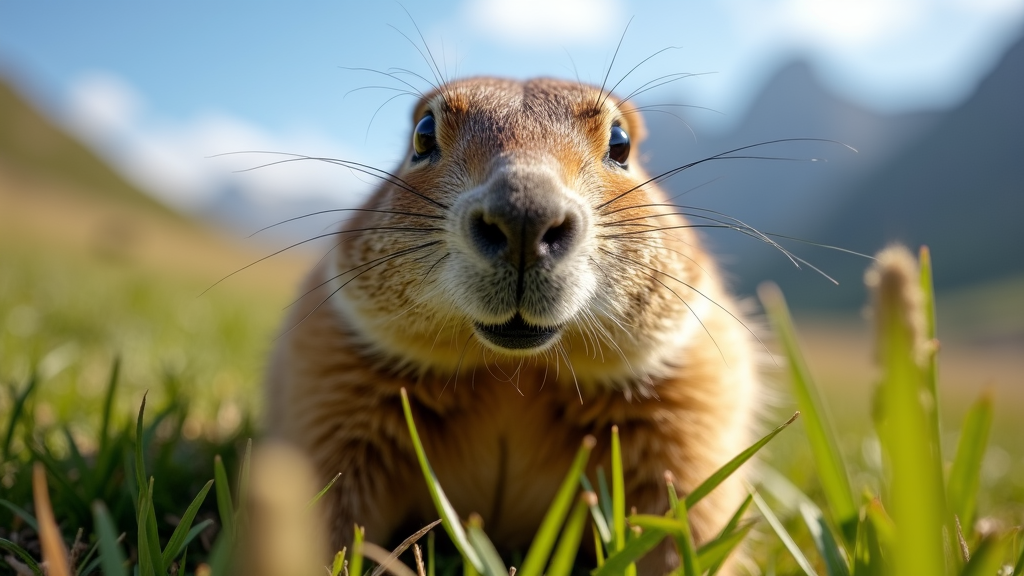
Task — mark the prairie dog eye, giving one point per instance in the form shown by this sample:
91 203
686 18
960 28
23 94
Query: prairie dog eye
424 142
618 145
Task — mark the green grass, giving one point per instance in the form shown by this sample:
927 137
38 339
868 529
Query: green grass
136 476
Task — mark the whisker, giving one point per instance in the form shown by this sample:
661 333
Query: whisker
357 166
388 74
681 299
720 156
431 62
317 237
662 81
711 300
376 262
819 245
333 210
380 87
338 289
601 97
742 226
366 136
641 63
572 371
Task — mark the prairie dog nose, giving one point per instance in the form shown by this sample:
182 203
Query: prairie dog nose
525 218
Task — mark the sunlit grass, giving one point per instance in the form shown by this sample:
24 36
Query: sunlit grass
904 499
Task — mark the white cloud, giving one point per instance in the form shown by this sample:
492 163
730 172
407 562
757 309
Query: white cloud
174 159
545 23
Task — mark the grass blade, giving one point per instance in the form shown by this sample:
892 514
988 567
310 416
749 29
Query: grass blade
339 562
22 555
112 558
715 552
727 531
1018 569
177 541
140 464
225 508
988 557
783 535
604 497
598 544
243 477
965 475
492 564
449 518
604 533
192 534
21 513
572 535
731 466
544 541
322 492
355 567
619 499
108 405
54 552
832 472
412 539
835 561
16 410
684 539
151 533
903 418
616 564
931 371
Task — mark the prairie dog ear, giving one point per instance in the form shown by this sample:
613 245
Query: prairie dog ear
633 122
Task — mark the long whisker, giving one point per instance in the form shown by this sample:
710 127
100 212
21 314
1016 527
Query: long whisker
366 136
572 371
721 156
319 212
681 299
788 254
641 63
317 237
428 57
357 166
739 225
388 74
382 260
663 81
601 97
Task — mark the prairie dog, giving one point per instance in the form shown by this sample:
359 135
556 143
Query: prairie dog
528 284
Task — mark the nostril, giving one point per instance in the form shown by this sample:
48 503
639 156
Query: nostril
488 237
558 239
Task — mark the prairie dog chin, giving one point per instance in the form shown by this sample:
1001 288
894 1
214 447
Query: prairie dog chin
528 284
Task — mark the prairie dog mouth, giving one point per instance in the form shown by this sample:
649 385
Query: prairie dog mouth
516 334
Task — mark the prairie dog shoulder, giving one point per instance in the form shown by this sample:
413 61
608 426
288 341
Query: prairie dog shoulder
529 284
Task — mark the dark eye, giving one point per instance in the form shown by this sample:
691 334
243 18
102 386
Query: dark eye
618 145
423 140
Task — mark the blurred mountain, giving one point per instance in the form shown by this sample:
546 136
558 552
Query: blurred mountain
959 190
953 180
56 195
33 147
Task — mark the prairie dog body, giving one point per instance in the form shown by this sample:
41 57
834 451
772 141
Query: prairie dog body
526 282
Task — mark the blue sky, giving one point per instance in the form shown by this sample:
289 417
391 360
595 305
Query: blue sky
159 86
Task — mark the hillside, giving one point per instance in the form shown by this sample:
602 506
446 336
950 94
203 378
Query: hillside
32 146
960 190
57 196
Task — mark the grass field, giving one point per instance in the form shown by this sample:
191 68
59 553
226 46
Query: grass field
80 292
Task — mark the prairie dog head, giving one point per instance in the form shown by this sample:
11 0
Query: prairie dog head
521 225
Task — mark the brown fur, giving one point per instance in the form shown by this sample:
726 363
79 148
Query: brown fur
646 342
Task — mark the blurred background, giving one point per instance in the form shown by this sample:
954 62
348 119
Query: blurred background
115 215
